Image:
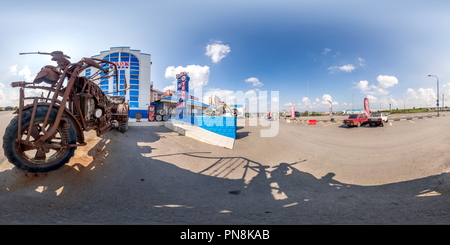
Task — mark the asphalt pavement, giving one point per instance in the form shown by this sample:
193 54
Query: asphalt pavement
308 174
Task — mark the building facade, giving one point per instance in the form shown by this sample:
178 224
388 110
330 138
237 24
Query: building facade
134 70
156 94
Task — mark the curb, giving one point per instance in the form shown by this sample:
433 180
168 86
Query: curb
411 118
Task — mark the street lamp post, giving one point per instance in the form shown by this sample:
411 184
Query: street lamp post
331 110
353 102
307 87
437 94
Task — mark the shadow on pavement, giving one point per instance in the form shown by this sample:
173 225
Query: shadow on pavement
117 182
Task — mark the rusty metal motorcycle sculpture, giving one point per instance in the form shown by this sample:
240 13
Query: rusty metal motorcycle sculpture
47 131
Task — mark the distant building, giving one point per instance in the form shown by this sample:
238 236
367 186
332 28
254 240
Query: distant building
355 111
212 100
156 94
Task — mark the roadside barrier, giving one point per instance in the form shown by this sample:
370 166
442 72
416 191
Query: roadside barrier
312 122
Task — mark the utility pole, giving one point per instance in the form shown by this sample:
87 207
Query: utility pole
307 87
437 94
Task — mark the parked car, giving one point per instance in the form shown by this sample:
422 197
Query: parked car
377 119
356 120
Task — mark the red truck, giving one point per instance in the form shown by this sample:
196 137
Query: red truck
356 119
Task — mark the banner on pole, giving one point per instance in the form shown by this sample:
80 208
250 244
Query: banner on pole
366 107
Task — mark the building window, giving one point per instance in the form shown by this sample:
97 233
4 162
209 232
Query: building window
132 63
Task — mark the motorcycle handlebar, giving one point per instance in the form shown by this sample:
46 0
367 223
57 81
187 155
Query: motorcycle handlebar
54 53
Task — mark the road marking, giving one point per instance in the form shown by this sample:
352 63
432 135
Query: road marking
390 123
411 121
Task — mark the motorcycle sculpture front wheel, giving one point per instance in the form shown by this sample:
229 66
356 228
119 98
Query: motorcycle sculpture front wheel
51 155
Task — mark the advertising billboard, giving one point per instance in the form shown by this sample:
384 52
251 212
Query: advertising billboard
182 93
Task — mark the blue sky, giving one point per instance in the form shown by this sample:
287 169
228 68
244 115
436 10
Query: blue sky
382 50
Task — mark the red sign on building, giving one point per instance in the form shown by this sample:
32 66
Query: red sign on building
122 64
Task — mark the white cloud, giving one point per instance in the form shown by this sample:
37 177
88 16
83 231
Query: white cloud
199 76
446 91
2 95
13 69
363 85
326 50
371 89
386 81
393 103
305 100
372 98
275 99
326 98
422 96
217 51
411 93
346 68
172 87
386 102
377 91
317 104
26 73
361 62
255 81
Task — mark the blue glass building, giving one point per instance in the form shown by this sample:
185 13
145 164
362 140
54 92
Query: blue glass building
134 68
